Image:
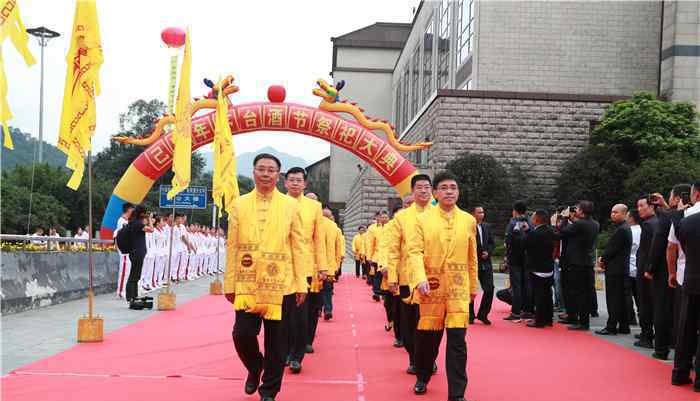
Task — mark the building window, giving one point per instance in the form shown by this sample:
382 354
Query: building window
443 66
467 85
465 37
404 103
428 38
397 105
415 71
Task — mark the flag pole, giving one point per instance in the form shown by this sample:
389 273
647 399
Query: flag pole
90 329
215 288
166 299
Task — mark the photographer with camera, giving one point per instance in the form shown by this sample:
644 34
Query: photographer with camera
580 237
133 239
523 302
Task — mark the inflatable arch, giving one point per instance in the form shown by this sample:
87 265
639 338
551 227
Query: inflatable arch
265 116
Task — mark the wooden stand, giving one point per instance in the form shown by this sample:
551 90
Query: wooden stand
166 301
216 288
90 330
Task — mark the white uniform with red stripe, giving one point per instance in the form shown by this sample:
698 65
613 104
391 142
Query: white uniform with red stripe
124 262
161 243
147 281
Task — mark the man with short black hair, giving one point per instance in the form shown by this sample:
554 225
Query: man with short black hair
615 262
358 251
580 237
521 288
649 225
485 246
539 263
443 253
124 261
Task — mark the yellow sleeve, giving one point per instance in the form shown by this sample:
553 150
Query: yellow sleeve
370 244
356 246
339 247
472 261
416 249
393 249
300 253
319 239
231 251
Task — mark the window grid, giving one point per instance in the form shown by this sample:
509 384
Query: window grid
466 30
444 45
415 93
405 110
428 62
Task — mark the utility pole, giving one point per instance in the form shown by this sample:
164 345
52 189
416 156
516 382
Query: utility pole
43 36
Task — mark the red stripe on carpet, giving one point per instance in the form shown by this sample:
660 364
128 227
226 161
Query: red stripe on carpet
188 354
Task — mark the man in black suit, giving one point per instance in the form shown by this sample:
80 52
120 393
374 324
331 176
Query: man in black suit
616 263
519 282
484 248
581 236
688 341
649 226
539 263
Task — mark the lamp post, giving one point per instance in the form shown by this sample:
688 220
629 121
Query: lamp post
43 35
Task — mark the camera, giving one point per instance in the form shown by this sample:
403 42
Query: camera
685 198
520 219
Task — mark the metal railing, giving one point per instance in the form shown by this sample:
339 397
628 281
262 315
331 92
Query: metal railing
51 243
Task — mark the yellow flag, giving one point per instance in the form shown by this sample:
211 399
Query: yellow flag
78 118
182 137
11 25
225 178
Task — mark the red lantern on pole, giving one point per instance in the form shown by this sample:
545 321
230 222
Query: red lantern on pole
173 37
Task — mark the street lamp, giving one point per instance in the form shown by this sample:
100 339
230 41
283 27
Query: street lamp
43 35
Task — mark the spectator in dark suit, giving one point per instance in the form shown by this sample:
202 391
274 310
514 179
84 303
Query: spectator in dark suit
522 291
649 226
485 246
581 236
615 262
539 262
688 234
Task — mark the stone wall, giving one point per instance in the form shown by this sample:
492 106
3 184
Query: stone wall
36 279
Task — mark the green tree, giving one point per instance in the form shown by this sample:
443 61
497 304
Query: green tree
594 174
641 127
660 175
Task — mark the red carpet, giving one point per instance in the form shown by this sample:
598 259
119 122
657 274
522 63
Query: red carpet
188 354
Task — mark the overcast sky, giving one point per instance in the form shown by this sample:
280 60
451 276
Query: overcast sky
260 42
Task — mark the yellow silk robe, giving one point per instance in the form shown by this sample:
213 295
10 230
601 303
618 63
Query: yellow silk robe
358 246
331 233
265 253
398 238
311 221
383 254
339 248
443 253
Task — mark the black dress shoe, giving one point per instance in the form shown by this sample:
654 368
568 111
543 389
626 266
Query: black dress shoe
286 362
420 388
434 368
535 325
644 344
660 355
412 370
456 399
512 317
328 316
606 332
252 383
398 343
309 349
624 331
484 320
295 367
578 327
568 321
595 314
527 315
638 336
267 398
471 321
696 386
680 378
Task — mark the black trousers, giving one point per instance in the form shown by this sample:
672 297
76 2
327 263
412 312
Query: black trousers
132 283
663 298
299 331
365 269
315 303
581 279
486 282
410 314
358 268
245 331
631 298
542 290
522 290
427 346
566 291
594 296
388 306
688 341
396 316
645 307
615 299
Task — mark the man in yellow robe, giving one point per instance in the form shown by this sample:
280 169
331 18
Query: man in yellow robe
332 235
358 252
265 275
400 273
315 268
374 252
443 254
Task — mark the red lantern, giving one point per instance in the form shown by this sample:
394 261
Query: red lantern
276 93
173 37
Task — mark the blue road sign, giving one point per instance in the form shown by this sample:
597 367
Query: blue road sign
190 198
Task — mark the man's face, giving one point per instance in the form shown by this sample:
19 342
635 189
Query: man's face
422 192
479 214
295 184
694 195
579 212
383 218
673 200
266 174
644 208
128 213
362 230
617 215
447 193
